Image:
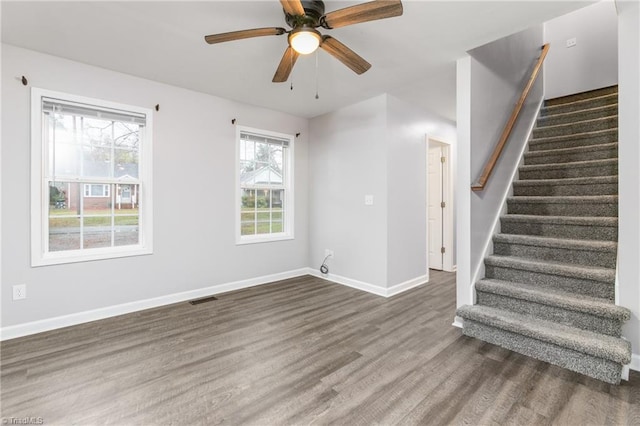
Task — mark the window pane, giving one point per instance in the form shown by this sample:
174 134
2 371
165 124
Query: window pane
247 150
126 211
277 210
126 165
97 232
262 152
127 230
64 233
247 228
96 161
126 135
247 212
248 199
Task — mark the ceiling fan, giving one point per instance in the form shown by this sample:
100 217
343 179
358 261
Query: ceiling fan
304 16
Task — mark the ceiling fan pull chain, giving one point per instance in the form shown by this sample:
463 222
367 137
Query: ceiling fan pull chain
317 96
291 59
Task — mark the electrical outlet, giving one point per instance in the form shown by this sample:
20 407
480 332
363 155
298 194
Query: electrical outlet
19 291
368 200
328 253
572 42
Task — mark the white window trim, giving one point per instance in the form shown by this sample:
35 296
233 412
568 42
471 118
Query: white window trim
40 195
289 199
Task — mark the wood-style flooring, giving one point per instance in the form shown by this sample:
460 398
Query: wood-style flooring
297 351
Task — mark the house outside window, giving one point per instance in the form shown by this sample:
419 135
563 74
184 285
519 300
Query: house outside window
91 179
265 186
96 190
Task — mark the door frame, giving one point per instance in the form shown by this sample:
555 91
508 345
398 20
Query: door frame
448 231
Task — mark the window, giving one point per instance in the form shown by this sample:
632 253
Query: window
91 179
265 189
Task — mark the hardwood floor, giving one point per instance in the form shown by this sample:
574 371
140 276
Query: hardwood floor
298 351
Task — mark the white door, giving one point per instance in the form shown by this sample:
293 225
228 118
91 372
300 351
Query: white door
434 209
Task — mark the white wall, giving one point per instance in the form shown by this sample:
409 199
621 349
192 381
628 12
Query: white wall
629 164
347 160
406 186
490 82
499 72
375 147
194 214
593 62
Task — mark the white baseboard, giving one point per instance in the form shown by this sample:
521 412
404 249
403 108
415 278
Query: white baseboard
635 362
407 285
19 330
370 288
359 285
457 322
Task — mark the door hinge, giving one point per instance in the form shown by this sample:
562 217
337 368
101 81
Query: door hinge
442 250
442 159
443 204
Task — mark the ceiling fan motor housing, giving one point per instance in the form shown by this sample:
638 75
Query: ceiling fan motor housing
313 11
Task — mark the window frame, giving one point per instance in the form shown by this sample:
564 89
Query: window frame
40 256
288 211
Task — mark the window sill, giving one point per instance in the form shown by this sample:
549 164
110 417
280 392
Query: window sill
61 258
263 239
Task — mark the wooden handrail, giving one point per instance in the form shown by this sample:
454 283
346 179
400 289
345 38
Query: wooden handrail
491 162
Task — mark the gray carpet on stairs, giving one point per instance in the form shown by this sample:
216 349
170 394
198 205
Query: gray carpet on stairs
549 286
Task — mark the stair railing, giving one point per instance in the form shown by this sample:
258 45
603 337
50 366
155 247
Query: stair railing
480 183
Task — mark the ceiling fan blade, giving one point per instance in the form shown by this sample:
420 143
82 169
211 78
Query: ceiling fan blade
371 11
344 54
286 65
238 35
293 7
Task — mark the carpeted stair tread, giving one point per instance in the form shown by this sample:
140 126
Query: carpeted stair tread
580 105
592 273
589 205
563 220
573 227
578 139
574 169
532 240
602 123
588 342
556 298
587 199
567 181
588 252
571 150
573 165
564 186
588 95
577 115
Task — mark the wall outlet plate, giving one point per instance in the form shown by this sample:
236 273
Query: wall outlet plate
19 291
368 200
572 42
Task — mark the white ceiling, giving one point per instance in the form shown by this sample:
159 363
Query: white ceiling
412 55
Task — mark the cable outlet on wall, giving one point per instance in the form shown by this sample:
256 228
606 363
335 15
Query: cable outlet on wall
328 253
19 291
572 42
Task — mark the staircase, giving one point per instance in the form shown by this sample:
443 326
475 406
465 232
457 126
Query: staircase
549 286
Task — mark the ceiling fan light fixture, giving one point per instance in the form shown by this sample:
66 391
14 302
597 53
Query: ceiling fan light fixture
305 40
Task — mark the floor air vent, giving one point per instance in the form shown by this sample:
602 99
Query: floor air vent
203 300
